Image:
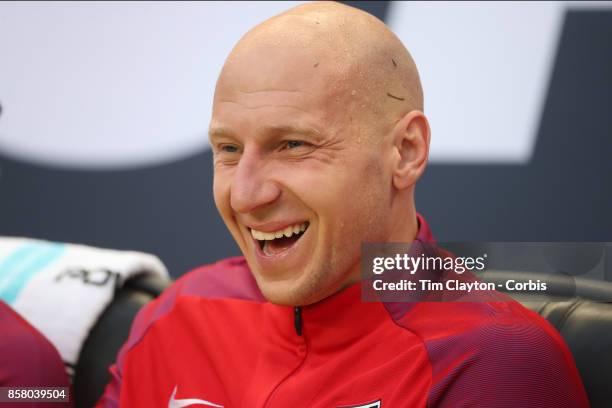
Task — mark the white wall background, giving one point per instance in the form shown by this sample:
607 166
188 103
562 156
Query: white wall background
130 84
114 84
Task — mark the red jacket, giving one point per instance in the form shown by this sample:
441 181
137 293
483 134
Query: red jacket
213 340
28 359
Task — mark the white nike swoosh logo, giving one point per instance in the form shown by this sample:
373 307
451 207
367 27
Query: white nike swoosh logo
375 404
174 403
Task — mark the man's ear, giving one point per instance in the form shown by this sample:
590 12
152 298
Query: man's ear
410 136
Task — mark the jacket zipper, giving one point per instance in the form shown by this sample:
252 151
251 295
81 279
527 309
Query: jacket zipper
297 322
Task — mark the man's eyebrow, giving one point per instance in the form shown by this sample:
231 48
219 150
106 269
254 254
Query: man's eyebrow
219 131
292 130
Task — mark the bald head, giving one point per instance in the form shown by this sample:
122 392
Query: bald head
359 62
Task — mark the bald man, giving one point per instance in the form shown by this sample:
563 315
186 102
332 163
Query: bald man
319 138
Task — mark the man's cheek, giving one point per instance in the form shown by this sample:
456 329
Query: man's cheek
336 188
220 193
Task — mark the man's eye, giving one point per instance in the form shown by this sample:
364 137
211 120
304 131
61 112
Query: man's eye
292 144
226 148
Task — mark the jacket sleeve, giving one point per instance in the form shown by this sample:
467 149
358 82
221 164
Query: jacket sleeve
512 364
27 358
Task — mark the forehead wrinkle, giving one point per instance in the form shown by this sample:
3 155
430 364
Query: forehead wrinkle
265 106
272 90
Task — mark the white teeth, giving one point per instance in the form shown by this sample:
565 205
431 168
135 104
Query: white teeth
287 232
262 236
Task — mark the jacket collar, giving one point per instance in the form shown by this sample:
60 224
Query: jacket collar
337 320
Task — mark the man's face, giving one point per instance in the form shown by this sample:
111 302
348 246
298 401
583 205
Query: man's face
298 182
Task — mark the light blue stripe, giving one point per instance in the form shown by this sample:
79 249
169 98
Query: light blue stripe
20 266
16 261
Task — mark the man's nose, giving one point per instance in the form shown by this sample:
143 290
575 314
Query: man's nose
252 187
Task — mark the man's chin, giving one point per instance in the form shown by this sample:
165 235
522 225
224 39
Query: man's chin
280 293
288 292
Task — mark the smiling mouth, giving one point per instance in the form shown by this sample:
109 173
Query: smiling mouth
273 243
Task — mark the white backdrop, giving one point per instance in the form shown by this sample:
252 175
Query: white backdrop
130 84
